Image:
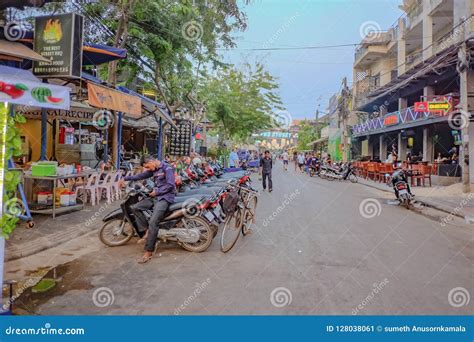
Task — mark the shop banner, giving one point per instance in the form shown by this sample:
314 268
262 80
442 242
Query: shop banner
33 94
59 39
102 97
70 115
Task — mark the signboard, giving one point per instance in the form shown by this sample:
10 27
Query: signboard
33 94
59 39
180 139
102 97
390 120
433 106
70 115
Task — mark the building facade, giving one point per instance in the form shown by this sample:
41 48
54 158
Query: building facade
408 92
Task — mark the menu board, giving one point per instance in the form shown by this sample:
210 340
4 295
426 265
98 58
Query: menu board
180 138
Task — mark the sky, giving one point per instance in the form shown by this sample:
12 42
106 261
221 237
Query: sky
309 77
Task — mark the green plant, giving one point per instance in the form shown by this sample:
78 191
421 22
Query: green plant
11 180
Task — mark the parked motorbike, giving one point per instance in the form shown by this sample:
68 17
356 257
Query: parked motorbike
339 172
193 233
401 188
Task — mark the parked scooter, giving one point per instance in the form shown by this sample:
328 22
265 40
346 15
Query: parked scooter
191 232
401 188
339 172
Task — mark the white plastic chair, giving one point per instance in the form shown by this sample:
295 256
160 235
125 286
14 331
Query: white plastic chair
106 187
89 189
116 185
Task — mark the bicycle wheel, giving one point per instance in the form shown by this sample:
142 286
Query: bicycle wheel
249 215
231 231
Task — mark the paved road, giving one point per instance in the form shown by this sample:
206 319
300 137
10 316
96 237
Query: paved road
313 251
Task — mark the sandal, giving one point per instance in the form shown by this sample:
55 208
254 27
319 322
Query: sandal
144 259
141 241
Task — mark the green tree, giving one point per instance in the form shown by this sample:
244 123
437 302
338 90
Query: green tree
240 101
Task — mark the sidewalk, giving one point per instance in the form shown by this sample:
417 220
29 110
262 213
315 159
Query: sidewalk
49 233
449 199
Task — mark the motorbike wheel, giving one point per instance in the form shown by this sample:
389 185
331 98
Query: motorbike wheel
311 173
206 231
353 178
406 203
231 232
330 177
249 215
116 232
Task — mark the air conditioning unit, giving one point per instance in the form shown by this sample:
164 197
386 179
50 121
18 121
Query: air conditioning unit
409 59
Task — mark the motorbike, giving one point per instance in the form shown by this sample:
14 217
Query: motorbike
339 172
191 232
401 188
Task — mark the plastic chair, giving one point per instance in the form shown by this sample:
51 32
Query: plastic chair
116 185
90 188
106 187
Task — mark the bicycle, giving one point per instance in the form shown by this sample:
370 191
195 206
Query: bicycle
241 219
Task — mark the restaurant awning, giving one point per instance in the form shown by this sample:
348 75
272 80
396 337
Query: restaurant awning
19 52
151 106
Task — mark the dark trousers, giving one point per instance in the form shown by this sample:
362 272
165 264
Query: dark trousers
159 210
266 175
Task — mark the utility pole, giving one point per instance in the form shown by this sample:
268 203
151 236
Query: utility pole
345 94
463 68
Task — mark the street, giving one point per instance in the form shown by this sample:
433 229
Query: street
318 247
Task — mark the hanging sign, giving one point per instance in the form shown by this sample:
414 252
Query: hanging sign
59 39
34 94
390 120
102 97
421 106
442 107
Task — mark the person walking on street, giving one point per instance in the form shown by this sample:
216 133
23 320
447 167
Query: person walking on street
295 159
301 161
285 158
266 171
233 159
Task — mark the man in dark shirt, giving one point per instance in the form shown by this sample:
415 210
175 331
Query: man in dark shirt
160 199
266 171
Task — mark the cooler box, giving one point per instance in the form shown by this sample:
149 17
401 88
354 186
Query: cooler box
42 169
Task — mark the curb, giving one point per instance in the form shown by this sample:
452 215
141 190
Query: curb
424 202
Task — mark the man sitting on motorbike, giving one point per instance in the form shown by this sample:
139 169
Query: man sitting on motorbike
160 199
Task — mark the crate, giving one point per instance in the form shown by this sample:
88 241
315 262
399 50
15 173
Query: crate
43 169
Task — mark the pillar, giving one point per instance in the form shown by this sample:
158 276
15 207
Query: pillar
118 145
402 103
383 148
401 47
427 35
427 145
402 148
428 91
44 133
371 147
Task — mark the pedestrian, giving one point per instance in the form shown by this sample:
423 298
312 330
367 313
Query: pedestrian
285 158
266 164
233 158
295 159
301 161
